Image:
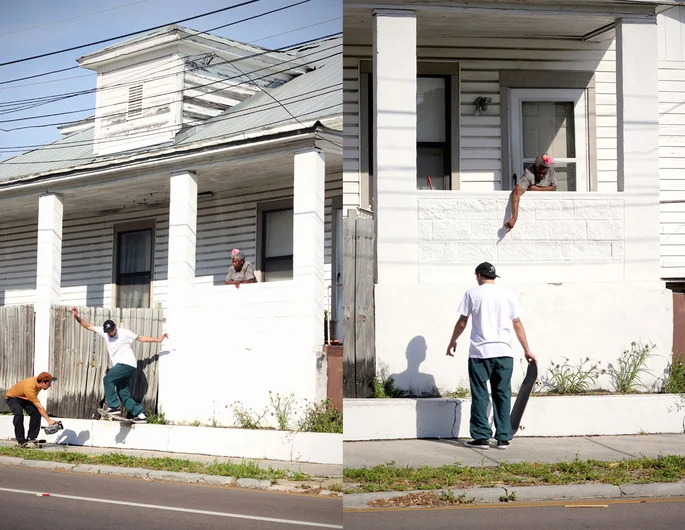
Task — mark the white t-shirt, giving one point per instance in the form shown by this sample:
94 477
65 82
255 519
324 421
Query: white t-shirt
119 346
492 309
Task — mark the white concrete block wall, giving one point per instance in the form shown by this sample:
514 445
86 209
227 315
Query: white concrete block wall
571 229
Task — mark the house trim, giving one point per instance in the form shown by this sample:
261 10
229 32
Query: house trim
552 80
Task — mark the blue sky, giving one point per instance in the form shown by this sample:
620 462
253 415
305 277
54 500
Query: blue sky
33 27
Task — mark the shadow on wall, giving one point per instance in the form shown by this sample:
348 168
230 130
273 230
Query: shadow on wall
69 437
412 381
2 298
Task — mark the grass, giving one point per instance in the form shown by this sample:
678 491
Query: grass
636 471
228 469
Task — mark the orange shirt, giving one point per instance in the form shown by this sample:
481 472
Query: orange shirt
25 389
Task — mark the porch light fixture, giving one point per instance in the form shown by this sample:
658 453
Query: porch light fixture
482 104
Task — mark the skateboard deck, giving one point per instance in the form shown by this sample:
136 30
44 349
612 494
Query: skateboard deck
104 415
523 395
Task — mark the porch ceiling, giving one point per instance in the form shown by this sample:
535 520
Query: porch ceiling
147 189
441 24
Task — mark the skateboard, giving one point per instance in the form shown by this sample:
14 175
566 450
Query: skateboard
523 395
105 416
36 443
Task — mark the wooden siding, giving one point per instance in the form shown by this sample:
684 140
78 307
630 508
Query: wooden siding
480 63
672 142
16 347
18 260
224 222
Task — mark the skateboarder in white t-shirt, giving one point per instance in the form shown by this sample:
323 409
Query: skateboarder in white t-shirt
496 312
124 364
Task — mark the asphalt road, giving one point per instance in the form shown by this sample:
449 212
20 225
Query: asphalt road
85 502
664 515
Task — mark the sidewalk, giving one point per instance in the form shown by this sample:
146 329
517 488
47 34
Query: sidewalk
436 453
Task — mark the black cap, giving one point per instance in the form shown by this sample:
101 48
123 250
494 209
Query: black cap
486 269
108 326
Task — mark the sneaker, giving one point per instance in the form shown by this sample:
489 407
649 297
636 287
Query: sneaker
503 444
23 444
478 444
114 411
140 418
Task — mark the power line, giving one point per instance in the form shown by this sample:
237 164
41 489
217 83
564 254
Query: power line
71 18
116 138
94 159
72 48
248 42
68 95
221 80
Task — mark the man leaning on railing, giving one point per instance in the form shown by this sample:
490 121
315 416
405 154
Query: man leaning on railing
241 271
539 176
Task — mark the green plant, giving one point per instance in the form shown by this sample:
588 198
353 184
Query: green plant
247 418
321 417
282 409
156 418
626 378
385 388
460 392
511 497
567 379
675 379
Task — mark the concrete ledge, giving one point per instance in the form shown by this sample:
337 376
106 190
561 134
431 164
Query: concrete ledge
240 443
397 419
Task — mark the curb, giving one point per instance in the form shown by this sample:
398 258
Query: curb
534 493
161 476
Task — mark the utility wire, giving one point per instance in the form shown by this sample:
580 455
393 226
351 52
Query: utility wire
131 34
212 83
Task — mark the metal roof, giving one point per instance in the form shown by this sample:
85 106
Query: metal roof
310 97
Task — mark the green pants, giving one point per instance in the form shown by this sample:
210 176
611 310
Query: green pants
498 371
118 381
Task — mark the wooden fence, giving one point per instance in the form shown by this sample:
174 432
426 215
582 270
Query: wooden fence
80 360
17 324
359 265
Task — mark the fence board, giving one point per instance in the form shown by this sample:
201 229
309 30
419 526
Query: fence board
359 358
17 326
80 360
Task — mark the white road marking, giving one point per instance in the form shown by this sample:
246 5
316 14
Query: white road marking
175 509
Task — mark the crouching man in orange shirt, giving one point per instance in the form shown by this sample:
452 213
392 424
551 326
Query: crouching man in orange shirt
24 397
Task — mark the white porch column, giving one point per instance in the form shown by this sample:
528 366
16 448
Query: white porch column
308 253
48 278
181 284
394 133
637 93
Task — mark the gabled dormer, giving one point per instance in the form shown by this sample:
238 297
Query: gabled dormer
151 87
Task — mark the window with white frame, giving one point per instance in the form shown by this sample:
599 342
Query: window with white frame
554 122
277 245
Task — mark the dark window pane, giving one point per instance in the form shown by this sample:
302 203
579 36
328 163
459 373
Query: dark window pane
431 163
135 249
133 291
278 269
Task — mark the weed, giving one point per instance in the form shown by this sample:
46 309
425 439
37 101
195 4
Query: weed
508 498
321 417
626 379
299 476
156 418
337 487
567 379
385 388
282 409
675 378
247 418
460 393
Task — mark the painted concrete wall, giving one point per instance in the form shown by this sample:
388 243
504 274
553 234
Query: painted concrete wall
392 419
569 319
240 443
558 237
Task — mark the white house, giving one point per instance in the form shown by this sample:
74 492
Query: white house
198 145
469 92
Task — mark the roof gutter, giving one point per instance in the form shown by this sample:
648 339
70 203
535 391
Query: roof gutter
187 156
